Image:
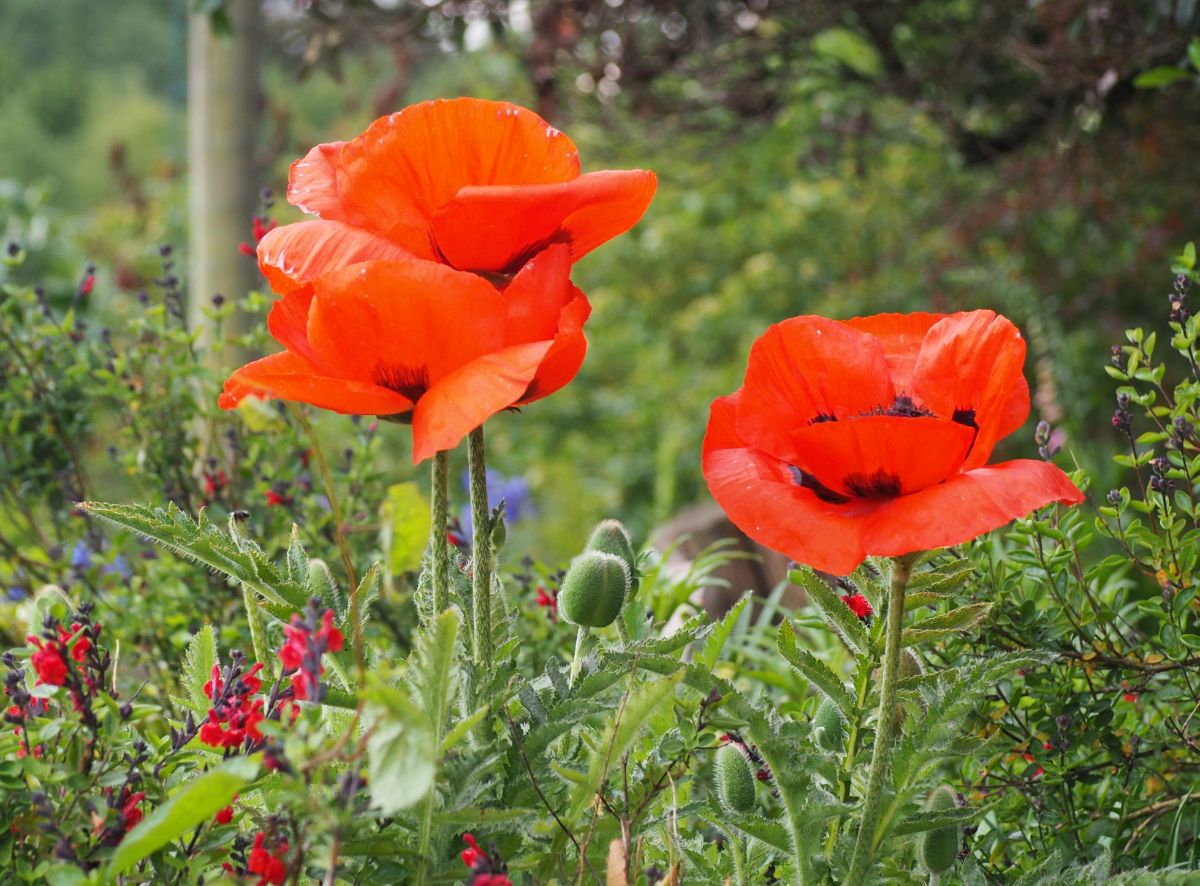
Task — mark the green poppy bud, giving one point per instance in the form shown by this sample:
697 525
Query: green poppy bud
610 537
594 589
829 729
733 779
937 850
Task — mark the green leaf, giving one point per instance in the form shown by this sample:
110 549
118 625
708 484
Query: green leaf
1156 78
845 46
814 670
404 515
198 663
401 748
627 721
761 829
710 654
837 613
919 822
1194 58
944 580
939 626
193 804
202 542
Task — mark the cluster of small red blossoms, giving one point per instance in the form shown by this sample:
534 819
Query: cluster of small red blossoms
233 717
859 605
260 227
482 869
307 641
268 864
549 601
49 661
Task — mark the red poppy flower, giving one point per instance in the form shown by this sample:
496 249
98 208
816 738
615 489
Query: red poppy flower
477 185
872 436
450 348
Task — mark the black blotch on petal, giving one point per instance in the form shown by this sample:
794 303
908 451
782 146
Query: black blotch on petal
408 381
880 484
965 417
806 480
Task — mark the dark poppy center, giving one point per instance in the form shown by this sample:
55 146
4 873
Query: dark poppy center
408 381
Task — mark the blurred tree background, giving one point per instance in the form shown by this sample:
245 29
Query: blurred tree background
829 157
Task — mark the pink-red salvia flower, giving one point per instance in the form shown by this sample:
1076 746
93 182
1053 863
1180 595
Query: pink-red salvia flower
268 865
858 604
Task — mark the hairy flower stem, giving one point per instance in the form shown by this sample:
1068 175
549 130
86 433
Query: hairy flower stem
881 754
577 658
481 552
257 633
440 493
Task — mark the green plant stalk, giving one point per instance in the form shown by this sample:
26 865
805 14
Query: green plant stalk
481 552
258 634
335 509
440 494
577 658
854 731
881 754
739 864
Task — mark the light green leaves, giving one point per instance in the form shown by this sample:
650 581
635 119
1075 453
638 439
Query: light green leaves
814 670
837 613
405 520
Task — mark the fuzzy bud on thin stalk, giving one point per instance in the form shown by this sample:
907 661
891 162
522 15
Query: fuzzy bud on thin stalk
828 727
733 779
611 537
938 849
594 589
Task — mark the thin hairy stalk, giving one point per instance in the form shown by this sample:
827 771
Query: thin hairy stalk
258 635
481 551
339 529
440 493
577 658
881 755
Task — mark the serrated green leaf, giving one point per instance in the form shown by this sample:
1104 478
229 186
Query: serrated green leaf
918 822
755 826
193 804
401 748
939 626
198 663
710 654
942 581
837 613
814 670
204 543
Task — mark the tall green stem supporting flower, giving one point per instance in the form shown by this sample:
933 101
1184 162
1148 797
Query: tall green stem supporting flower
440 493
481 551
881 755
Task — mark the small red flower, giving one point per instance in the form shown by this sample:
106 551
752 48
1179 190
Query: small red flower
224 816
269 865
277 499
246 249
1130 697
1039 772
548 601
48 663
872 437
88 284
131 812
214 482
329 635
472 853
858 604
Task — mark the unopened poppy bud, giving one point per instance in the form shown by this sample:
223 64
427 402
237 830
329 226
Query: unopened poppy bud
828 727
594 589
733 779
938 849
610 537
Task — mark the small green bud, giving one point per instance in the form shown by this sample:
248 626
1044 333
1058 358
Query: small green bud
594 589
733 779
829 729
938 850
610 537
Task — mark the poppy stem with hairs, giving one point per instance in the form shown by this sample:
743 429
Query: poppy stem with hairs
481 551
440 494
577 658
881 754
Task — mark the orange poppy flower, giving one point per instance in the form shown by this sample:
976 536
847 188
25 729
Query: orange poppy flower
477 185
872 436
447 347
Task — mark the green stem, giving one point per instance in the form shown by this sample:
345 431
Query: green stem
335 510
481 551
577 658
739 864
881 754
258 635
437 534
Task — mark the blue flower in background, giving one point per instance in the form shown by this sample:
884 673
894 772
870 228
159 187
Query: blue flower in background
513 491
17 594
81 555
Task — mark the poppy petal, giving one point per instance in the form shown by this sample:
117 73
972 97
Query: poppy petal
490 228
804 369
966 506
971 365
566 353
882 456
404 166
536 296
901 336
288 321
461 401
404 325
291 377
760 496
296 254
312 184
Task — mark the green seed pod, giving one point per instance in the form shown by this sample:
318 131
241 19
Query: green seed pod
829 729
733 779
938 850
610 537
593 589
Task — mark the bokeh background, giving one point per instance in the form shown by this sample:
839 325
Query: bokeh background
828 157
